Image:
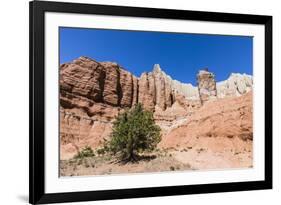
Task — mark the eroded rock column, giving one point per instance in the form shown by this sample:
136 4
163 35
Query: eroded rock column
206 86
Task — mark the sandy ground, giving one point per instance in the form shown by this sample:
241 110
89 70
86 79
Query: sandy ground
203 154
207 159
215 153
100 165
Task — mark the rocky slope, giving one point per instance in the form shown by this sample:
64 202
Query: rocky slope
219 135
93 93
226 118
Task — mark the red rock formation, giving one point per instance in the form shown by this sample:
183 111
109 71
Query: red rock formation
147 91
92 94
126 88
110 94
224 118
156 89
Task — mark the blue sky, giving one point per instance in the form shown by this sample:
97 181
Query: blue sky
179 55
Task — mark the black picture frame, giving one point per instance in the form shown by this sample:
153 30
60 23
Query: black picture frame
37 194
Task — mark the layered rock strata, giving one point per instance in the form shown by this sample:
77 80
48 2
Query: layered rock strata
93 93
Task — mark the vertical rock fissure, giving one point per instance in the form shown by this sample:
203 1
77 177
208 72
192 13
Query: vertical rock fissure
132 91
165 103
154 91
171 99
119 88
137 94
101 81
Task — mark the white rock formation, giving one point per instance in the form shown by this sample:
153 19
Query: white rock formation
236 85
185 89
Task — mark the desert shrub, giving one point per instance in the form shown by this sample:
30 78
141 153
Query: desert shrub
172 168
104 149
85 152
101 151
134 131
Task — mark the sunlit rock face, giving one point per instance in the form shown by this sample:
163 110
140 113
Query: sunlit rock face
206 86
93 93
236 85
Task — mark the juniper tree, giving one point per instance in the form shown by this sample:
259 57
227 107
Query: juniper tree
134 131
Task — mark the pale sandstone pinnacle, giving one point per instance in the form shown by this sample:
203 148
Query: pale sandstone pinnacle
156 68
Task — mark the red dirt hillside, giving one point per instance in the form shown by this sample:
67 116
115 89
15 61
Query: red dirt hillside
227 118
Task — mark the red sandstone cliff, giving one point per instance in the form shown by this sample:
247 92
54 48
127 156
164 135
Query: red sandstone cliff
93 93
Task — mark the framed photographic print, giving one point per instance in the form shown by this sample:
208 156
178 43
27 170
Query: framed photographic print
141 102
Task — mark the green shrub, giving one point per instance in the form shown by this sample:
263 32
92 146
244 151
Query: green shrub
101 151
134 131
85 152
